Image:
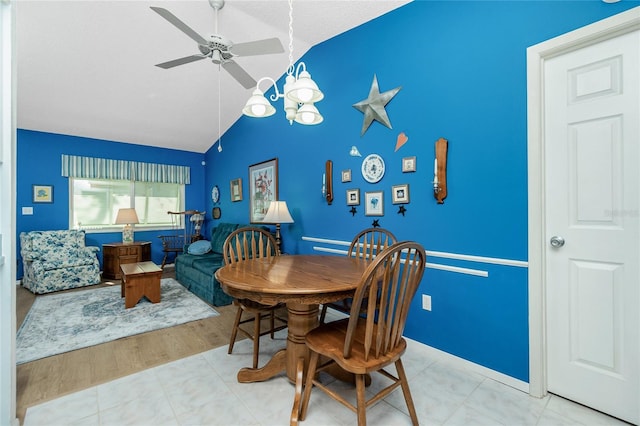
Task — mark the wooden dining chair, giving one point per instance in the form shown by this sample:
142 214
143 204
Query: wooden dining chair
363 345
249 243
367 244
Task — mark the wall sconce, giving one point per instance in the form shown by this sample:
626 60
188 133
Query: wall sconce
440 171
127 217
300 92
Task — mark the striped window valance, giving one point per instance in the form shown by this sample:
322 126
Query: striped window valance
104 168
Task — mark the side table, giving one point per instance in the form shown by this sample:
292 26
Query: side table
116 254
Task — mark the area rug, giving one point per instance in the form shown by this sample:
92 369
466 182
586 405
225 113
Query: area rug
65 322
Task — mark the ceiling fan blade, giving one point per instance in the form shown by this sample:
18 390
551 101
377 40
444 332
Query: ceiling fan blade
239 74
180 61
179 24
258 47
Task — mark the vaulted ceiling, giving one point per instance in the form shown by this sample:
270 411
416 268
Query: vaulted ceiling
86 68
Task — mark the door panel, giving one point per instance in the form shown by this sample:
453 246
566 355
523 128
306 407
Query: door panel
592 98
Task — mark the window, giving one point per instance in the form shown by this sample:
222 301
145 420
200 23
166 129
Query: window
95 203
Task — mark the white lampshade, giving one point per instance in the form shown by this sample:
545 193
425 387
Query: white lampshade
305 89
258 106
278 213
127 217
308 115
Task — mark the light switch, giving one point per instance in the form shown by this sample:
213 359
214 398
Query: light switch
27 211
426 302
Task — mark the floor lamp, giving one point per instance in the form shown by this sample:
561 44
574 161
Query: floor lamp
278 213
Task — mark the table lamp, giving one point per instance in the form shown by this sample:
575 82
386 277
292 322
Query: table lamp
278 213
127 217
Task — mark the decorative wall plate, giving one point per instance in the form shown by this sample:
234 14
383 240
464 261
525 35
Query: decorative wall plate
373 168
215 194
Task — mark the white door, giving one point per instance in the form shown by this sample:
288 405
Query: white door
592 216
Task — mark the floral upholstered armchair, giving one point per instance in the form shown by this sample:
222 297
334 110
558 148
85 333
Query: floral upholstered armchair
57 260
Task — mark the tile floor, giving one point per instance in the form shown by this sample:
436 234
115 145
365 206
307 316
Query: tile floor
202 390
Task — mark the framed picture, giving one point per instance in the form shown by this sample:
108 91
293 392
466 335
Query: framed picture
346 175
42 193
400 194
408 164
236 189
374 203
353 197
263 188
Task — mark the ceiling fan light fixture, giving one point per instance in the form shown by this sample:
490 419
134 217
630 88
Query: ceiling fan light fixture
258 106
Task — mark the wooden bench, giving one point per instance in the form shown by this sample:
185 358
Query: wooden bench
141 279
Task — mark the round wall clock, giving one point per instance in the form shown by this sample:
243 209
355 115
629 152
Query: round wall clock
215 194
372 168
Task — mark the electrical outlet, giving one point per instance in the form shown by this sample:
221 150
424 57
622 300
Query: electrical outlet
426 302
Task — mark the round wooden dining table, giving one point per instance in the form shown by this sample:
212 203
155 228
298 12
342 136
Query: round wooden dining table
300 281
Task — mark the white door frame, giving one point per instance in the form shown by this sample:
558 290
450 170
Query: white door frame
608 28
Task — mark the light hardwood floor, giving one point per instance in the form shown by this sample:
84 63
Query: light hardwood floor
48 378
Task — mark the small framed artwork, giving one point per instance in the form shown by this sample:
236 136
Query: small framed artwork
236 189
42 193
408 164
374 203
346 175
353 197
400 194
263 188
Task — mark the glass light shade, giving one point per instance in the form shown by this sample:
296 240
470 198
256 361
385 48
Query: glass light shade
278 213
309 115
258 106
305 89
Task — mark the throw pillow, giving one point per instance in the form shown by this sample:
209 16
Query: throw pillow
199 247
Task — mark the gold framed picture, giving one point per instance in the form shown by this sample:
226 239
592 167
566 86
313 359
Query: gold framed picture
263 188
236 189
42 193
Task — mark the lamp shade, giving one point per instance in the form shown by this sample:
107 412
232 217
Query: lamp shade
278 213
305 89
258 106
127 216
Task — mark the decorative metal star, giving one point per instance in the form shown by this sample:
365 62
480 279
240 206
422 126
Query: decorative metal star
373 106
375 223
401 210
353 211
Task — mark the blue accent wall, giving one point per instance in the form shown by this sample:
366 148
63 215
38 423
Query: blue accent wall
39 162
462 69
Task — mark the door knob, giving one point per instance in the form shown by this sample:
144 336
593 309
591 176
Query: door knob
557 241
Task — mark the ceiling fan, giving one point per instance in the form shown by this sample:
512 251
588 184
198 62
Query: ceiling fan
221 50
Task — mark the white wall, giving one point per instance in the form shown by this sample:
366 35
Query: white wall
7 217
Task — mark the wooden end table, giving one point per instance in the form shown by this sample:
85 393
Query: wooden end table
141 279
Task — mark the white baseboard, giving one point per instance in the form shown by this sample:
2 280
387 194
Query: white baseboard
464 364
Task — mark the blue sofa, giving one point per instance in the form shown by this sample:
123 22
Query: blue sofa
195 271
